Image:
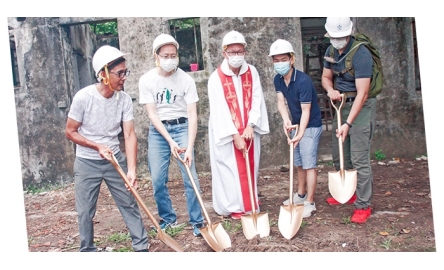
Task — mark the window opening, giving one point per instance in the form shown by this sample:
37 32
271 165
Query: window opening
14 63
187 33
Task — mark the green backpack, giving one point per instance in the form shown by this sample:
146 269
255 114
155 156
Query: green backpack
377 75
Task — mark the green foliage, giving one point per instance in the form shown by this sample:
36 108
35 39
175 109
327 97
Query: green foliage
304 224
386 244
229 227
379 155
175 231
184 23
119 237
346 220
123 249
107 28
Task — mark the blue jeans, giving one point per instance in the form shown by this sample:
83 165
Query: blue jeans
306 151
159 154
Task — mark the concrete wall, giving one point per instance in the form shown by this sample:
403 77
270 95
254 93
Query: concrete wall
49 55
400 130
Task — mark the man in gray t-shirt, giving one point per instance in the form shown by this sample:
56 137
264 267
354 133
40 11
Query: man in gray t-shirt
94 122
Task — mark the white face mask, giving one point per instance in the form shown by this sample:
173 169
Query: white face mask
338 43
236 61
168 65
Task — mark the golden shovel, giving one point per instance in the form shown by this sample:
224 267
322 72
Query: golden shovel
342 183
164 237
255 223
290 216
214 233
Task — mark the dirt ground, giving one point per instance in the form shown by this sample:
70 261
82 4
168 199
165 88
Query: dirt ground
402 217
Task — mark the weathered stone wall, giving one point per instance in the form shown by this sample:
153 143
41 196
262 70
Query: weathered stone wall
44 60
259 33
400 130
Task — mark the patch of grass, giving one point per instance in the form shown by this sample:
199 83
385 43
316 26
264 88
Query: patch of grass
36 189
346 220
152 233
230 227
123 249
379 155
119 237
175 231
273 222
386 243
304 224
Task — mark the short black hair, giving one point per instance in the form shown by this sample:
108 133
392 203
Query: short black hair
115 63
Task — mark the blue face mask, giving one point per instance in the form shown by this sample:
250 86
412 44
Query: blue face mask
282 67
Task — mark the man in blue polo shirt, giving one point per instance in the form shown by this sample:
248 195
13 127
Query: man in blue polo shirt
298 90
357 112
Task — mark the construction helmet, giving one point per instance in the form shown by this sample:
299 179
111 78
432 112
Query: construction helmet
233 37
164 39
338 27
281 46
105 55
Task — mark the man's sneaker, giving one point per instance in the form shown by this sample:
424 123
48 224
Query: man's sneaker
308 208
361 215
196 231
332 201
296 199
165 225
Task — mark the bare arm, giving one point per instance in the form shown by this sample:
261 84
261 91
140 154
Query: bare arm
155 120
327 84
130 150
72 133
282 108
192 131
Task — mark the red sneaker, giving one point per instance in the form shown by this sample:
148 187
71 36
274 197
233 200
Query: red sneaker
332 201
236 215
361 215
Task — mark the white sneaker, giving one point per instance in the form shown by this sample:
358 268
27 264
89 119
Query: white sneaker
308 208
296 199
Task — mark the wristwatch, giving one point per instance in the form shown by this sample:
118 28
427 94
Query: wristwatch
251 125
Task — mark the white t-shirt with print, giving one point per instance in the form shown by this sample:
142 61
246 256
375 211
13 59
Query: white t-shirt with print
171 94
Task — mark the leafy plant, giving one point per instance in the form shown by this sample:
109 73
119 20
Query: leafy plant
379 155
304 224
228 226
175 231
106 28
119 237
386 244
346 220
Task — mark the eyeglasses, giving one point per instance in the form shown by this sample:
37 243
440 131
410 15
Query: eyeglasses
171 56
235 53
121 74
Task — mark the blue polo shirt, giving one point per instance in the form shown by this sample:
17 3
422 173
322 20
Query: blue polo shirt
362 64
299 91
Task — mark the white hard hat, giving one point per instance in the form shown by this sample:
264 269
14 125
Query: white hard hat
233 37
164 39
338 27
280 46
105 55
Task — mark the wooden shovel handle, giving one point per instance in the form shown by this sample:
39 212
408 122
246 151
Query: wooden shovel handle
290 128
194 186
341 149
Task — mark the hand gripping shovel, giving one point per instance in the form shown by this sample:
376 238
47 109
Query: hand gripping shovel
164 237
254 223
215 235
290 216
342 183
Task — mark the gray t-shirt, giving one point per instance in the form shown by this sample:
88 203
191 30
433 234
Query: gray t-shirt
101 118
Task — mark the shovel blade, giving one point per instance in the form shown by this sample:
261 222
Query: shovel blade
342 188
253 225
290 220
167 240
216 237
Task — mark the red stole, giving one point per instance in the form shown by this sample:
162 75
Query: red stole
240 124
